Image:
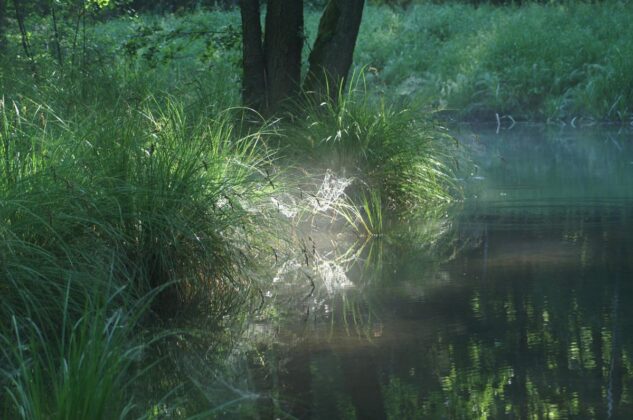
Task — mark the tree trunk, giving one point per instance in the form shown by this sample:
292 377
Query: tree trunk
254 78
272 70
331 57
283 42
56 37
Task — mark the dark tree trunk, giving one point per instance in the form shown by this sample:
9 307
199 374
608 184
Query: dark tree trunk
272 68
254 78
331 57
283 43
56 37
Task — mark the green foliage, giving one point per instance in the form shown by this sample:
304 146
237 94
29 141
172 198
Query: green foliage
153 188
119 202
86 372
157 44
532 62
473 61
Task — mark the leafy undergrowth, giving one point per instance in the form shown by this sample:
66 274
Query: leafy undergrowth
559 62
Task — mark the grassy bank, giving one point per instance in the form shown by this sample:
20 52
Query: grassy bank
110 218
534 62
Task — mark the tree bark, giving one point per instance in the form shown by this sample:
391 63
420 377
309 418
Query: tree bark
56 37
331 57
283 42
254 78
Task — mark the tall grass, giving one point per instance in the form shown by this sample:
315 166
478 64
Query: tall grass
157 191
85 372
97 212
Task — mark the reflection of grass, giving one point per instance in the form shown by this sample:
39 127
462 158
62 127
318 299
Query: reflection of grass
351 315
402 400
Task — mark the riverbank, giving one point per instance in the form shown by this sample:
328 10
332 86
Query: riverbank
142 211
558 62
537 62
139 206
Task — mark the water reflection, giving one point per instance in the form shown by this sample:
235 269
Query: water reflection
520 311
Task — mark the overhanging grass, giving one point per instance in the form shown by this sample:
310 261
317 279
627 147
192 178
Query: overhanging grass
97 212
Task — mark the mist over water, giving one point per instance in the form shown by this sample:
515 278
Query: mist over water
514 304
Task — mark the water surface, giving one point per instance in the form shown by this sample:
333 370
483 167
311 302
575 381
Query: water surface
521 308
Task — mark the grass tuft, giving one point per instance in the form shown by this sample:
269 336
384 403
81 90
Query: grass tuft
400 159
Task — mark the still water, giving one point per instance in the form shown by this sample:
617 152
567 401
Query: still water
517 304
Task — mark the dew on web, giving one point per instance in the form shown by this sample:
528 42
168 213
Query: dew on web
331 189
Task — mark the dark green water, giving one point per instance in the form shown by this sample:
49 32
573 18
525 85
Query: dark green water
522 308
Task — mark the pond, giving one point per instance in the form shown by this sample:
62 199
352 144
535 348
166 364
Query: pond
514 304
